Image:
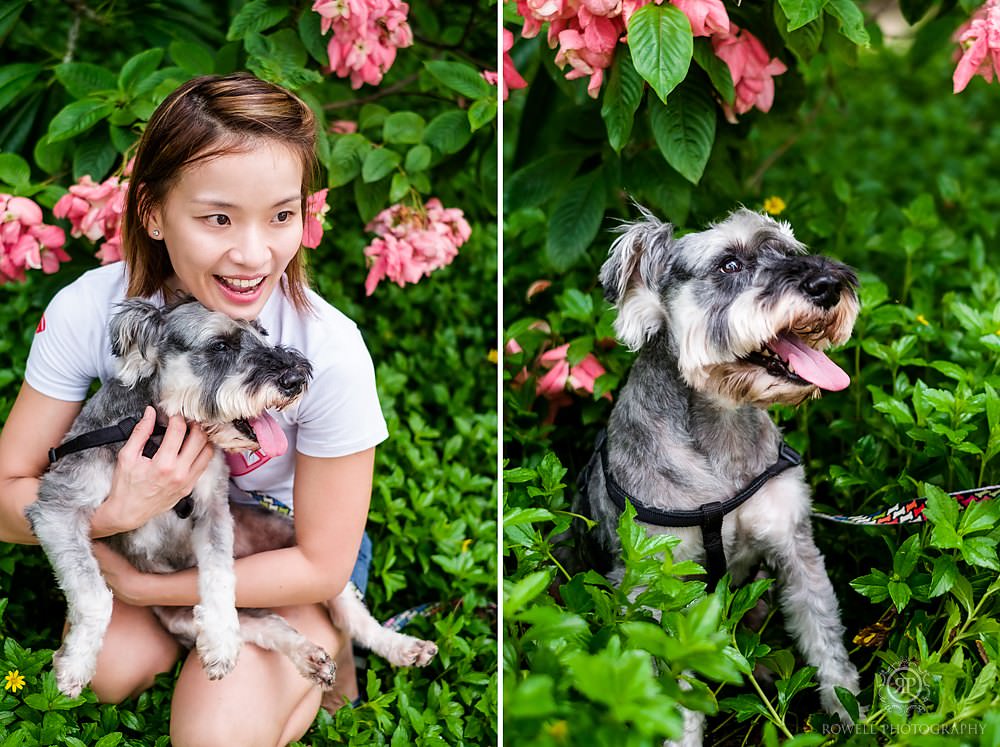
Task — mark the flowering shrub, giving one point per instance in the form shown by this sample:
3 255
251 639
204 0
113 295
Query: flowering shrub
404 118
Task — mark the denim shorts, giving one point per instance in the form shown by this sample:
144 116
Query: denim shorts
359 576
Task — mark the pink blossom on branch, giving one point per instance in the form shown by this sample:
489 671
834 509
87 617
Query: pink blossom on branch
316 209
751 68
365 36
979 38
26 243
562 378
707 17
511 78
413 242
95 211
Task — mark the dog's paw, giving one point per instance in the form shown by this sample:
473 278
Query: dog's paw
72 673
411 652
315 664
218 643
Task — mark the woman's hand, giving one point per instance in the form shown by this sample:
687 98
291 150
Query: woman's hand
142 488
128 584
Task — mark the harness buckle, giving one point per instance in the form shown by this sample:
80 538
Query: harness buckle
789 454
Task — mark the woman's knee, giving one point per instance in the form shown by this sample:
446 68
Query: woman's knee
135 649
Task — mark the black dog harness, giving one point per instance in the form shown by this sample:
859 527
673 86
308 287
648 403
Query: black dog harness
117 433
708 516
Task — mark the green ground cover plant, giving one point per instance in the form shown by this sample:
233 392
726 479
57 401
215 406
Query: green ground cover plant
874 162
77 84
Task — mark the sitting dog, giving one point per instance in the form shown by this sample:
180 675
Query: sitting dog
223 374
726 322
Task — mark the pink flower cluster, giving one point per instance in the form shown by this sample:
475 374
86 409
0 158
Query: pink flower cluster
587 32
979 38
413 242
316 208
560 379
95 211
366 35
25 242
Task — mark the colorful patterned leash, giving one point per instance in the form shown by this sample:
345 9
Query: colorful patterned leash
428 609
912 511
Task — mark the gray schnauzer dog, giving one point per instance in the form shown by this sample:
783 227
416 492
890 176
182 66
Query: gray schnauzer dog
223 374
726 322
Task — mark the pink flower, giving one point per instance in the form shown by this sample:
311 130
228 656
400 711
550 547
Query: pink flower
979 39
562 379
343 126
316 208
511 78
707 17
413 242
366 35
751 67
26 243
95 211
584 60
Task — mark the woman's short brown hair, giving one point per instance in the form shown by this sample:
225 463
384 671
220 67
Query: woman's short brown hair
207 117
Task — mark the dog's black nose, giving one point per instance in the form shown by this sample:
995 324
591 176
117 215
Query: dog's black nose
823 289
291 381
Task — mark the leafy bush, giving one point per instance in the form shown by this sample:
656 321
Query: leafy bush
76 88
877 164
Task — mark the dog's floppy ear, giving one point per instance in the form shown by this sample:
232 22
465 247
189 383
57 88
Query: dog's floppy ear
135 331
632 276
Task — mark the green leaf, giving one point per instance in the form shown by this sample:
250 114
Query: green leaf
136 69
660 39
379 163
900 593
399 187
575 220
49 156
717 69
77 118
192 57
801 12
14 79
95 156
981 552
460 77
621 100
418 158
254 17
979 516
684 130
850 703
872 586
941 507
14 170
518 594
10 13
403 127
448 132
82 78
533 184
109 740
906 557
370 197
312 37
943 576
346 158
789 687
482 112
852 21
122 139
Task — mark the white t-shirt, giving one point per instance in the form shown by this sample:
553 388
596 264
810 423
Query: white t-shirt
338 415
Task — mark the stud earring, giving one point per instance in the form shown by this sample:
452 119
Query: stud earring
156 233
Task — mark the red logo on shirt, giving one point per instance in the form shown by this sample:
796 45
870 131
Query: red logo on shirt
41 325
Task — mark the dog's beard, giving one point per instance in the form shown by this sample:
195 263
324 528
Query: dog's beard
773 358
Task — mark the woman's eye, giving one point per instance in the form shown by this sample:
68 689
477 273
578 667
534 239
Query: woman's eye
284 216
731 266
219 219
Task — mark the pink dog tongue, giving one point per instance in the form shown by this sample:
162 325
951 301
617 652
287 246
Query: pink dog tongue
810 364
271 438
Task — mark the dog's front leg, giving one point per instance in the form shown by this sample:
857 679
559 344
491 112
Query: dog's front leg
812 615
218 639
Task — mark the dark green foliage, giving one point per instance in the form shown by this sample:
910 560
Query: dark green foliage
881 167
433 512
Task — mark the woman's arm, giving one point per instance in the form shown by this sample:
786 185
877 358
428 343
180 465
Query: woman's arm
331 506
141 488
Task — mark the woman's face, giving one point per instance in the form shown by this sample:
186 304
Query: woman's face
231 225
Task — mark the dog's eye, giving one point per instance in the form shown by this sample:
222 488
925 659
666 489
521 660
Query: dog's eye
222 346
731 266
